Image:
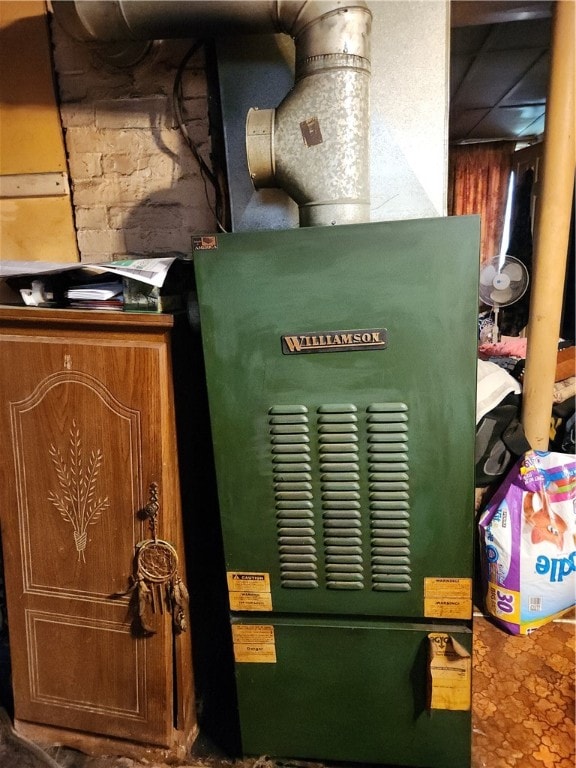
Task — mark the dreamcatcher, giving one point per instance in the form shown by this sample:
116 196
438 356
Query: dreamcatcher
156 581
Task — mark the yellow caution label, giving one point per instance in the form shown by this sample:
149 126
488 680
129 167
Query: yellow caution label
449 673
248 581
250 601
249 591
447 598
254 643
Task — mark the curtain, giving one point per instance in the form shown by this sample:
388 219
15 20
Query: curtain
478 183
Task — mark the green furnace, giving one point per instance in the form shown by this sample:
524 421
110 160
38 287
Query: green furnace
341 370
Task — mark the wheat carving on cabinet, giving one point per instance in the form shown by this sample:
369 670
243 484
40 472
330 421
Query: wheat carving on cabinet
77 501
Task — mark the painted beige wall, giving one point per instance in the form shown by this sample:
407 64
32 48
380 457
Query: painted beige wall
36 222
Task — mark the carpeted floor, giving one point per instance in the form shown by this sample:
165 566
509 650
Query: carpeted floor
523 709
523 697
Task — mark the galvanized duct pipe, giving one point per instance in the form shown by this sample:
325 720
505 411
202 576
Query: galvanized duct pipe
315 145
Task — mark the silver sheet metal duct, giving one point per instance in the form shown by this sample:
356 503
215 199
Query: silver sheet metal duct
315 144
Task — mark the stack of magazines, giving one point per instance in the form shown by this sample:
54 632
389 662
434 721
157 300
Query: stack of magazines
105 296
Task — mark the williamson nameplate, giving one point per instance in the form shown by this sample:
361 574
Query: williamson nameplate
335 341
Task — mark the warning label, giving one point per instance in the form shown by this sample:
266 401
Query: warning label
247 581
249 591
250 601
449 673
254 643
447 598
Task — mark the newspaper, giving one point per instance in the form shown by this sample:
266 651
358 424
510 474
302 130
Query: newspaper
151 271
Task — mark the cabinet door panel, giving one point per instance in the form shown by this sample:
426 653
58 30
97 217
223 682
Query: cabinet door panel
63 672
83 421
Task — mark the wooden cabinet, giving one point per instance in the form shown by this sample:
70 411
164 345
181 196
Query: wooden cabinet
87 428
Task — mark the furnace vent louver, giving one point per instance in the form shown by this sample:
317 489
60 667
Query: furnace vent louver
339 469
387 425
292 473
341 516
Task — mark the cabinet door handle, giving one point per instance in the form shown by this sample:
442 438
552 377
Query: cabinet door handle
152 508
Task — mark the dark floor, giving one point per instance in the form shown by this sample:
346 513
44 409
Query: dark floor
523 709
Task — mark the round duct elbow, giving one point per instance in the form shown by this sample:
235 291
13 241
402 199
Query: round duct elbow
260 147
315 145
321 147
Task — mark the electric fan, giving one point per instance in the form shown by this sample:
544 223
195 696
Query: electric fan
502 282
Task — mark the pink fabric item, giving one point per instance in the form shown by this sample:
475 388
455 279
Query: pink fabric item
508 346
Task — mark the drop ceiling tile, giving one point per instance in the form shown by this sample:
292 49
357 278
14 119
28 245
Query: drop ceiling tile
492 76
468 40
533 87
499 65
535 128
463 123
459 66
509 122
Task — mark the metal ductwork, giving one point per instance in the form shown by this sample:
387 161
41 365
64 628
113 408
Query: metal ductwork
315 144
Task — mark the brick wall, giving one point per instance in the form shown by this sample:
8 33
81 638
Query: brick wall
136 187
